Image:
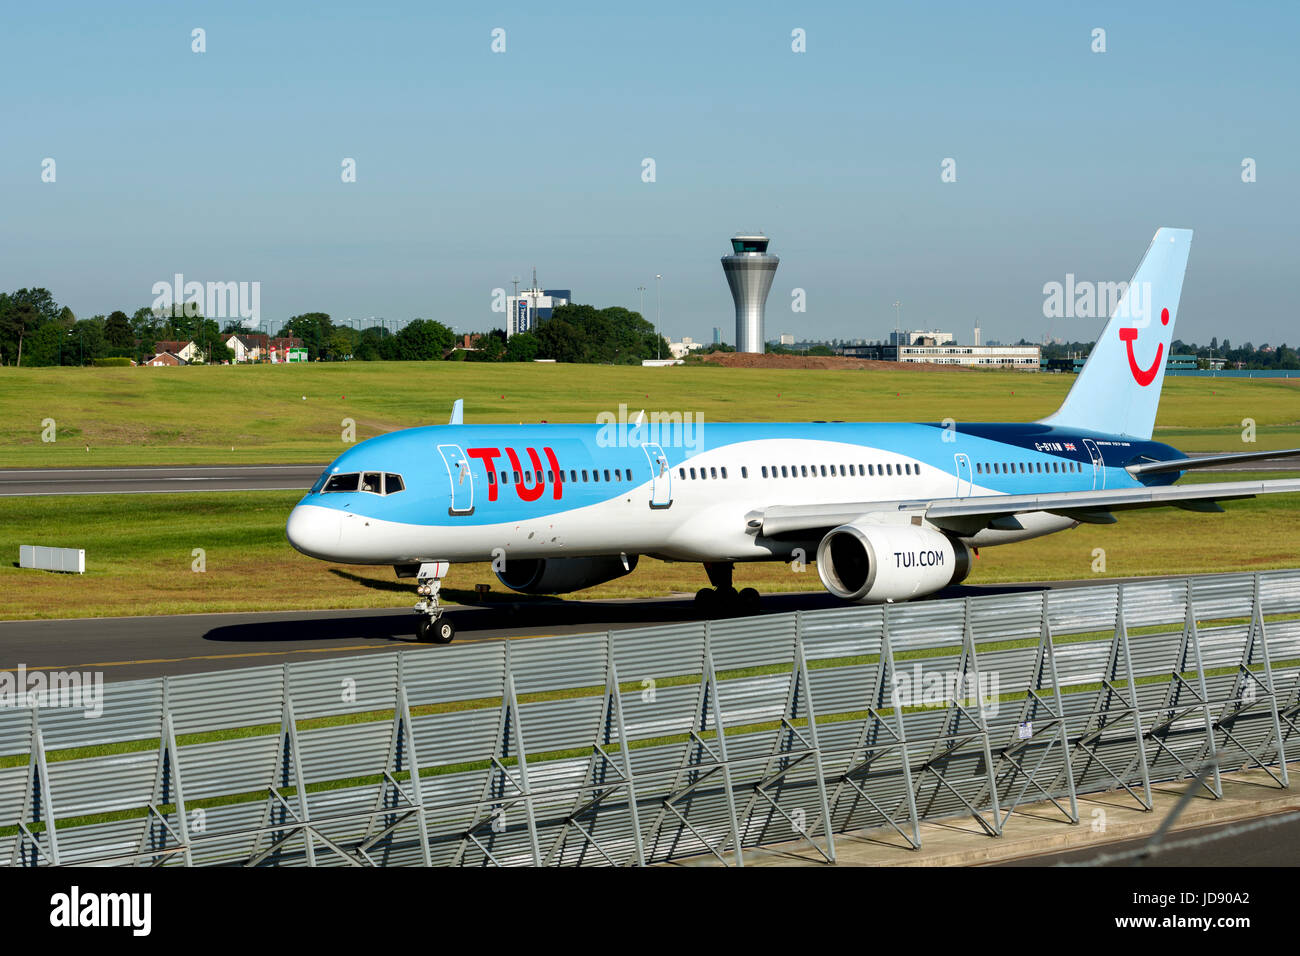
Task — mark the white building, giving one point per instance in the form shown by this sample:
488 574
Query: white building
920 337
684 347
530 307
1024 358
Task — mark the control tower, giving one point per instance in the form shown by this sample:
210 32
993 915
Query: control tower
749 272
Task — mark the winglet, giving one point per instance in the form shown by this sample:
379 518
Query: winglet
457 412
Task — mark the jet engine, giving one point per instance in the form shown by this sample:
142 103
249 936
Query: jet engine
562 575
873 563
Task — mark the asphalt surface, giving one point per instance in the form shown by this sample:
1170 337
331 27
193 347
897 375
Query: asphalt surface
128 648
1268 841
104 481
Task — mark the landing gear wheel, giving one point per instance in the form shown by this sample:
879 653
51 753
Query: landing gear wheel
748 601
705 600
438 631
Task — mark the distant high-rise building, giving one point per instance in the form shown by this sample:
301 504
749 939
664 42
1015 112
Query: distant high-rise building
749 271
717 335
529 308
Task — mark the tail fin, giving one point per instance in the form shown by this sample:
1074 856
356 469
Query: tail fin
1118 389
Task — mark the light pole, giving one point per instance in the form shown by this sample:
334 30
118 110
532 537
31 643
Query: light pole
898 326
641 310
659 308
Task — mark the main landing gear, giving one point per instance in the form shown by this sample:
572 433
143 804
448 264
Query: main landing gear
723 600
433 627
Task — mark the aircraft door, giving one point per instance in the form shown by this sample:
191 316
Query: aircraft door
661 477
963 476
1098 465
462 481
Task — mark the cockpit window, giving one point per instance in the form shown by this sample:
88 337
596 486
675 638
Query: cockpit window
371 482
341 483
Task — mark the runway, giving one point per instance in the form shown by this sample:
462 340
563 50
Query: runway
124 481
127 648
15 482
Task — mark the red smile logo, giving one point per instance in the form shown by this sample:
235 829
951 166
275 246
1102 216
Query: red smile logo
1144 376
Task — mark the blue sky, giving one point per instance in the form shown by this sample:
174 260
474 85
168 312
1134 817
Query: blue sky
473 166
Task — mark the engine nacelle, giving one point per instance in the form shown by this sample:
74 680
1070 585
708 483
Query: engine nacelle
873 563
562 575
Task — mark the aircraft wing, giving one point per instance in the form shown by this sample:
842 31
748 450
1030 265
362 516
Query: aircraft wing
1209 461
969 515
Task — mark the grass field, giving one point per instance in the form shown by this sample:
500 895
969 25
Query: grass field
249 414
140 555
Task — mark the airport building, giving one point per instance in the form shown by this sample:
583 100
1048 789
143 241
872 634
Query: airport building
1022 357
749 270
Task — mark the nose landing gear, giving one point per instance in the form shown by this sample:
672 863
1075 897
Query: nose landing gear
723 600
432 627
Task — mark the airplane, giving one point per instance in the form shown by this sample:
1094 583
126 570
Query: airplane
892 511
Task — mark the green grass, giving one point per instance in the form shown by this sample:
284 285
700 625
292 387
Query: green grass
139 556
264 413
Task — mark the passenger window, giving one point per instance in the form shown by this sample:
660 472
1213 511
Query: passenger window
492 477
595 474
692 474
713 473
744 471
550 476
393 484
803 470
342 483
681 472
785 473
584 474
607 474
724 471
764 471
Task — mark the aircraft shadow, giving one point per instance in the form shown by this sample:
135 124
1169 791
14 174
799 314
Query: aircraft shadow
508 615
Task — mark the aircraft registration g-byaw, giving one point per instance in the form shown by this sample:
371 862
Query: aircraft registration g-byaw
892 510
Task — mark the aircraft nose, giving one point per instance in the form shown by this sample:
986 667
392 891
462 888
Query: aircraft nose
315 531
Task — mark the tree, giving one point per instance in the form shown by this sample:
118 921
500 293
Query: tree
423 339
16 321
314 328
117 330
491 347
522 347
